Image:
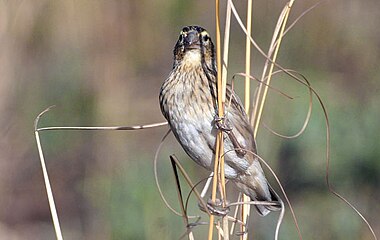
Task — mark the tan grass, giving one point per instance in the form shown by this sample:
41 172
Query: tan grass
49 191
245 210
219 147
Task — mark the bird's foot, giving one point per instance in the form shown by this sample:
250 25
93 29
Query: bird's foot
216 208
223 124
240 152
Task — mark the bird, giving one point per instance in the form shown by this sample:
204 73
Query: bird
189 104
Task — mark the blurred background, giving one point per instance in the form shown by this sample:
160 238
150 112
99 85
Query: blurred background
102 63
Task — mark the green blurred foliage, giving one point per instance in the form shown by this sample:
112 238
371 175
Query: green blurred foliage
102 63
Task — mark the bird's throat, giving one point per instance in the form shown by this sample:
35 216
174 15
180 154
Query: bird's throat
192 59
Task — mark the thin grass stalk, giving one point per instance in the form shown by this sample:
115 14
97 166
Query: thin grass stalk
226 42
126 128
248 57
174 159
262 101
49 191
222 79
235 215
214 185
219 149
227 28
272 46
180 197
245 210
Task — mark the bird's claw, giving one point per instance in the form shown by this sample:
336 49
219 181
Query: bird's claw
222 124
216 208
240 151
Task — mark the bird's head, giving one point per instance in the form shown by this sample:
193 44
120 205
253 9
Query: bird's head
194 47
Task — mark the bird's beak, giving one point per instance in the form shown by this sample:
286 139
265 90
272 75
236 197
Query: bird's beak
191 40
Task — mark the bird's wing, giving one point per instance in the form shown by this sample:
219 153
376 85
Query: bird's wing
241 128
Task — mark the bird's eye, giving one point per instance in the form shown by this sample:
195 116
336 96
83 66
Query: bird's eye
205 38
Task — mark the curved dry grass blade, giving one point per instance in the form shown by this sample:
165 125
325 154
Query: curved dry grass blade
262 82
238 19
328 153
258 103
49 191
281 27
194 190
156 175
301 16
325 113
191 226
283 192
330 186
308 115
280 218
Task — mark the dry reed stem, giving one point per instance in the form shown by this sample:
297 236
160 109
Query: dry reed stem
180 198
226 41
184 174
219 146
126 128
245 210
235 214
282 22
247 87
49 191
221 100
189 182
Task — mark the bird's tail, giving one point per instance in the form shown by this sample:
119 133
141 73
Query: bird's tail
263 210
261 192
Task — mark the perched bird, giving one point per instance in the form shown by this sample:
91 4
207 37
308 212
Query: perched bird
188 102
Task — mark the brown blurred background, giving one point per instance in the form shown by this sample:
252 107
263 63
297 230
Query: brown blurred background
102 63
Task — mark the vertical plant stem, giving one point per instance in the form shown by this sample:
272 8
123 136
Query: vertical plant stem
180 198
248 57
53 209
245 210
226 43
262 101
219 146
214 186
